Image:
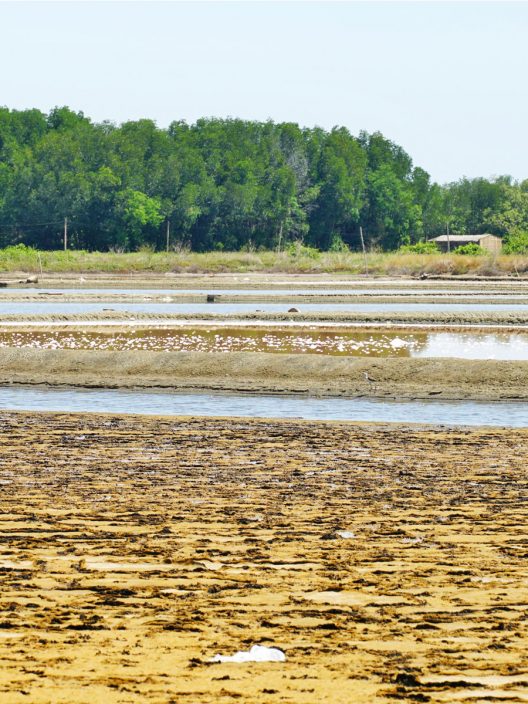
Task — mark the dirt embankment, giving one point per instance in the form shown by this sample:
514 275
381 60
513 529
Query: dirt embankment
386 562
253 279
382 317
289 299
261 372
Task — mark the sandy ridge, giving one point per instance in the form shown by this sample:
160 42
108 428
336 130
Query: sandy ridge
261 372
293 298
345 317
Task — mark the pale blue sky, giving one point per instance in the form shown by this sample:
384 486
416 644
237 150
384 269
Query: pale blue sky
445 80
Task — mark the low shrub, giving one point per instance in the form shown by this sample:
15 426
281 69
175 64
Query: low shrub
516 243
420 248
299 250
337 245
470 249
18 257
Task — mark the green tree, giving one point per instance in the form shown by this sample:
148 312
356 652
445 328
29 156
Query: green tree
229 183
393 218
341 177
138 211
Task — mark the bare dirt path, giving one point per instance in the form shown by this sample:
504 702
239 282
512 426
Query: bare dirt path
389 563
253 279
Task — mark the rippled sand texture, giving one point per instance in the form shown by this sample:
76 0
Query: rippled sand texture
387 562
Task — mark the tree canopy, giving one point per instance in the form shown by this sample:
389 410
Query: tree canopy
230 184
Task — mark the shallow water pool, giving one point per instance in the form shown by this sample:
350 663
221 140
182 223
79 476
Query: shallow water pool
57 307
489 291
264 406
465 345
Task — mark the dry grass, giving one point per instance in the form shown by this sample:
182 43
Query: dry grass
309 261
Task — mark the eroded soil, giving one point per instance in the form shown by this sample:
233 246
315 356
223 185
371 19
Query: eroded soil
389 563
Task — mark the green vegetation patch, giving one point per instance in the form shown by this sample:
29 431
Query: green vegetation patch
225 185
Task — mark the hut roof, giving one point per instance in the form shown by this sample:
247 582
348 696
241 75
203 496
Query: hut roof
462 238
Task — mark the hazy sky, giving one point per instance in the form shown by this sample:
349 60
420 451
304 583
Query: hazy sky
445 80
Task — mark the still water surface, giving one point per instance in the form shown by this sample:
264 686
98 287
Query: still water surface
465 345
511 414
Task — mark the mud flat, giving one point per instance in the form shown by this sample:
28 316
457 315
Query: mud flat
260 372
253 279
353 297
432 318
387 562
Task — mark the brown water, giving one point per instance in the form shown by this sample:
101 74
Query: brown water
467 345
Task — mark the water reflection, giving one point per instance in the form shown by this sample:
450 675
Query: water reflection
474 346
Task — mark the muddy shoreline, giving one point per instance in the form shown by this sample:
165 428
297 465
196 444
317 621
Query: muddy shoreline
250 372
433 318
249 280
385 561
293 299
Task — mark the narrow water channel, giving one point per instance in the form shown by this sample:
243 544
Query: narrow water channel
451 413
77 308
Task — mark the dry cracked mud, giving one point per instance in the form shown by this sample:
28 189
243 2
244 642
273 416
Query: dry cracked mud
388 562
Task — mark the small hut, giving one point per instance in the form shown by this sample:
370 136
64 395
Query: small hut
448 243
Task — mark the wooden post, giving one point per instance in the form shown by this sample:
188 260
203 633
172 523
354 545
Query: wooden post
65 234
363 247
448 240
168 234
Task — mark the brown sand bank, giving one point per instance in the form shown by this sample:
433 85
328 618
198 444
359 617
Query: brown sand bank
260 281
382 317
388 563
254 279
242 327
295 299
260 372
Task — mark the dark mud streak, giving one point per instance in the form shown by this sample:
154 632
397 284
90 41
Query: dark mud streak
233 528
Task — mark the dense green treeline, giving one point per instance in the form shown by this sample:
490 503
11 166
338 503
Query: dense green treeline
229 184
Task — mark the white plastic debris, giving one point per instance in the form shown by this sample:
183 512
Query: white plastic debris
345 534
257 653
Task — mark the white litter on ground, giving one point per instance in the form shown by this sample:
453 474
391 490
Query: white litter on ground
257 653
345 534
